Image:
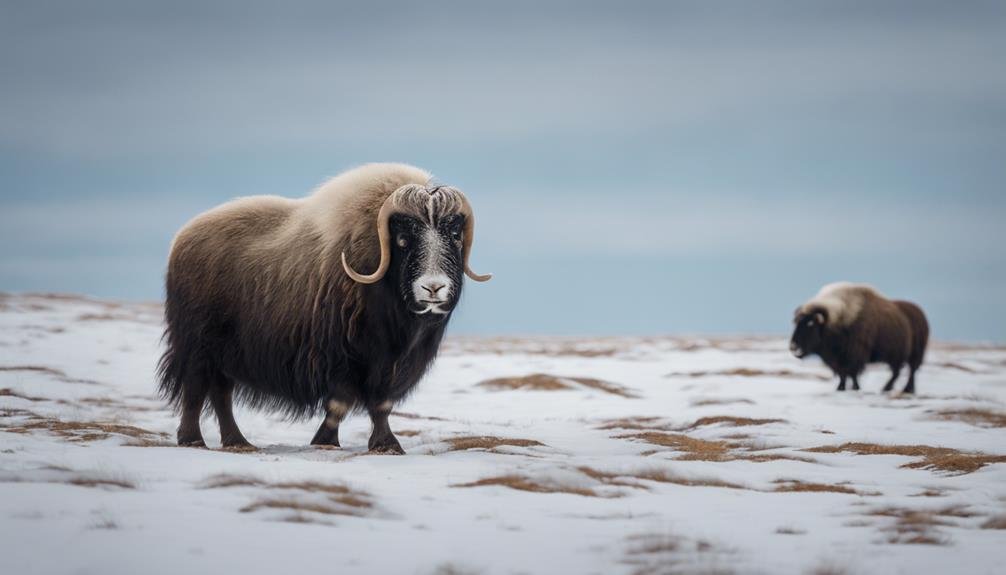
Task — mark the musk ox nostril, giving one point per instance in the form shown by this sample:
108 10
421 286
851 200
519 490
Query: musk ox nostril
433 288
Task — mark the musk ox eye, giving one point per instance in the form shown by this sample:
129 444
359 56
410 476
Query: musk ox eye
456 234
402 240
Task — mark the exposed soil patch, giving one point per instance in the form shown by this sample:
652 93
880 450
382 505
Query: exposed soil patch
489 442
545 382
933 458
974 416
749 372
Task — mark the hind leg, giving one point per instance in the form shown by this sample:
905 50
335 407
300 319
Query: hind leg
895 372
841 383
193 399
855 382
910 386
222 398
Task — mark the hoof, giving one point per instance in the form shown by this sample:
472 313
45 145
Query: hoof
387 449
191 443
326 446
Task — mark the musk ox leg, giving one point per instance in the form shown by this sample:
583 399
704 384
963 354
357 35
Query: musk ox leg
855 383
221 396
841 383
382 440
895 372
193 399
328 433
910 386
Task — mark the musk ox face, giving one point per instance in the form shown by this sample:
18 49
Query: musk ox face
808 332
427 262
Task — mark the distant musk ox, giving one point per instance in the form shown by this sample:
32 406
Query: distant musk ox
850 325
266 303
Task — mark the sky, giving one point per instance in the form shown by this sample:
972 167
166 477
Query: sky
635 167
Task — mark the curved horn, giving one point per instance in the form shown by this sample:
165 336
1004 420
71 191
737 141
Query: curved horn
469 237
384 237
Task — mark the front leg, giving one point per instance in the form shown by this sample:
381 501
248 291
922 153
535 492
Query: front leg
841 383
382 440
328 433
855 382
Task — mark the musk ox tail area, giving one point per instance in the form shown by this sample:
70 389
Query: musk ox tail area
920 332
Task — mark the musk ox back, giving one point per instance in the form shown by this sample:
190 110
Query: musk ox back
265 304
851 325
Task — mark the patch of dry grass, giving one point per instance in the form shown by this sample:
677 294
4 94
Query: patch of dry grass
56 373
632 478
827 568
298 496
995 522
934 458
334 507
638 422
524 483
83 431
796 485
733 421
721 401
790 531
919 526
974 416
661 553
546 382
749 372
695 449
489 442
8 392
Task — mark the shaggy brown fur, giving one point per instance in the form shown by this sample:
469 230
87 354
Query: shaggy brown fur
259 306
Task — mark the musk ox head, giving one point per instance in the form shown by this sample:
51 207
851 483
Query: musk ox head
808 332
425 236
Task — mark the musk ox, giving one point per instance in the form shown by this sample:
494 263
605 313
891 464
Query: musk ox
850 325
266 304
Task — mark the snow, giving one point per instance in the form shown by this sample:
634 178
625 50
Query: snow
82 498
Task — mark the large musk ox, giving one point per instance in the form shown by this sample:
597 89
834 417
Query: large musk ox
266 304
850 325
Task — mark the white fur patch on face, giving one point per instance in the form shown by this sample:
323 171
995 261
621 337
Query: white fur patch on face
433 287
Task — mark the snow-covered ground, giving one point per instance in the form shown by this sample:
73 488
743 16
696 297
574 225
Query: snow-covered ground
648 455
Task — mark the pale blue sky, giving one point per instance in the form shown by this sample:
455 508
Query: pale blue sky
650 167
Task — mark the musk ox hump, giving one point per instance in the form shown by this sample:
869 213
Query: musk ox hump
843 301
